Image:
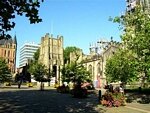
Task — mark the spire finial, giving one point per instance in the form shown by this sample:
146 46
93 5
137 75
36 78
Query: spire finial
15 38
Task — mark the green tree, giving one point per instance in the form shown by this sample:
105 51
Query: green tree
5 75
11 8
136 38
33 63
36 55
120 67
35 58
75 73
40 73
67 52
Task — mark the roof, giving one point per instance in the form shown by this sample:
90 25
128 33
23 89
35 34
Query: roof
6 41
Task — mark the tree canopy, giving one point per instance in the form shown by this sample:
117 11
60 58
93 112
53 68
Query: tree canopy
36 55
67 52
120 67
135 38
11 8
73 71
5 75
76 73
39 71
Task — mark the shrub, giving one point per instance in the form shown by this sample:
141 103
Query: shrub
79 92
138 90
63 89
113 99
145 100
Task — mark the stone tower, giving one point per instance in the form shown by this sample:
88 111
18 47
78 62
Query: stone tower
51 54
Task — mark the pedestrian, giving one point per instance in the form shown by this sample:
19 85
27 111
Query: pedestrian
111 88
121 89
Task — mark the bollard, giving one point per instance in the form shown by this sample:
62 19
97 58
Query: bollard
140 89
99 95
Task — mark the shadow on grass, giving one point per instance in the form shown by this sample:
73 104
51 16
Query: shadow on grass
138 97
48 101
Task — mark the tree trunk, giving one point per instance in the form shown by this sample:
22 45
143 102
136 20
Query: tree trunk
42 86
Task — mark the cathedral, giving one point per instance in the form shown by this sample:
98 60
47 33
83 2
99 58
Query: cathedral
51 55
95 61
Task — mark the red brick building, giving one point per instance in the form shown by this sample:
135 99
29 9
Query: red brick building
8 49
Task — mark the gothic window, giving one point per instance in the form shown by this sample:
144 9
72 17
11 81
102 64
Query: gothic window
8 53
2 52
5 53
90 69
98 69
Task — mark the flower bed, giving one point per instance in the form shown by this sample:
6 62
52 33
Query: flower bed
113 99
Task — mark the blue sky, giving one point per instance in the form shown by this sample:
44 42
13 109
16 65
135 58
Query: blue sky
80 22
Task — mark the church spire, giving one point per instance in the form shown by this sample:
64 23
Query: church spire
15 39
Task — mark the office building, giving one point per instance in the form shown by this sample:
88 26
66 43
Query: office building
27 52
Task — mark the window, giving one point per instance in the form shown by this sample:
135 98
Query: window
2 52
5 54
90 69
8 53
98 68
14 54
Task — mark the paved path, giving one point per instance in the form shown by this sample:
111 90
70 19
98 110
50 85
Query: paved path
145 108
31 100
49 101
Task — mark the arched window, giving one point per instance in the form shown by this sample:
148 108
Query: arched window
98 69
8 53
5 53
90 68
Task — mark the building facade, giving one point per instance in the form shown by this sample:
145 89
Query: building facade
27 52
95 62
130 4
51 54
8 50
